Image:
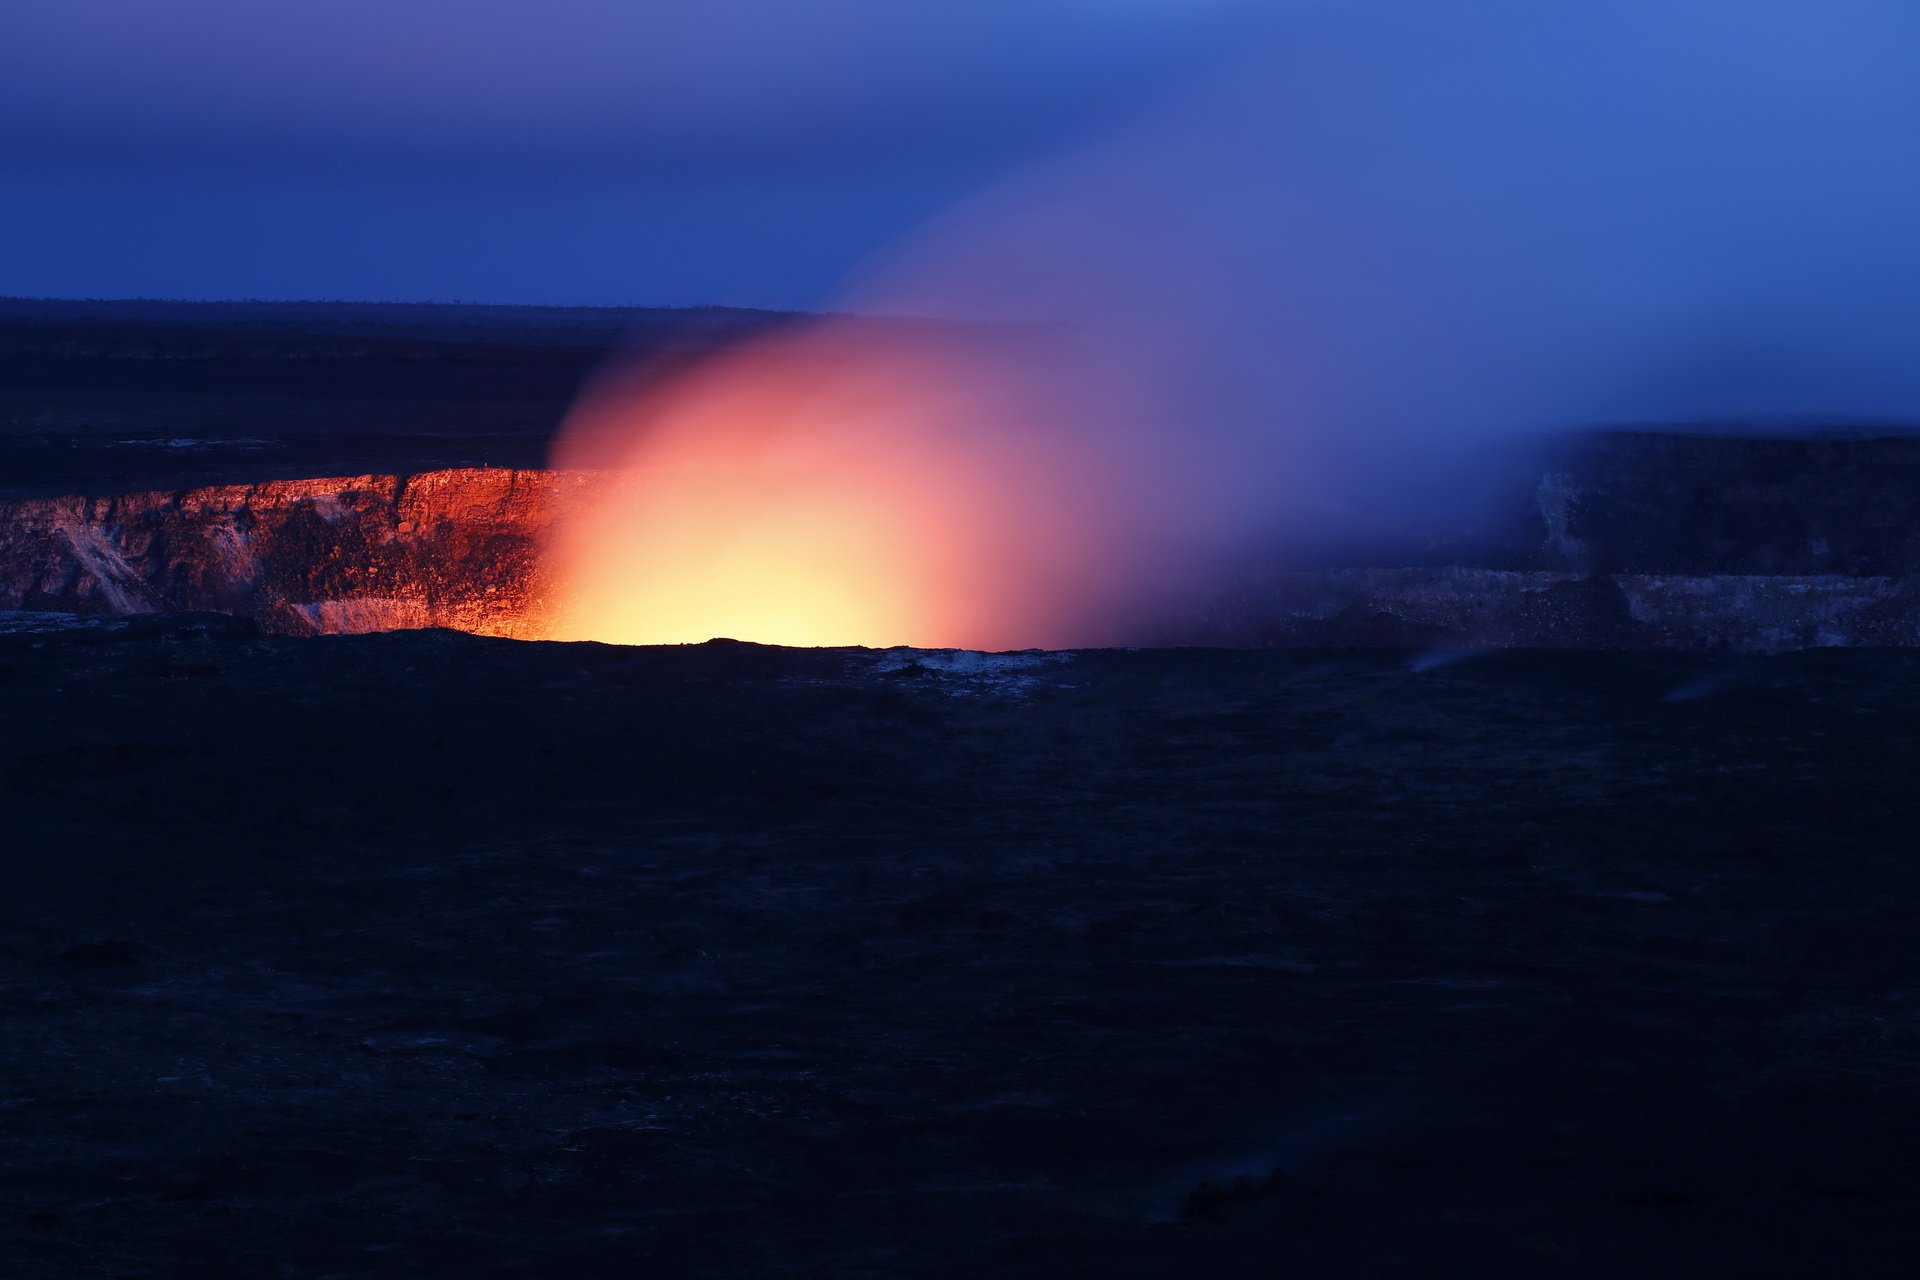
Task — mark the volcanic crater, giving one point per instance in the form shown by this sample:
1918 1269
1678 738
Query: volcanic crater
1348 952
1623 540
1686 540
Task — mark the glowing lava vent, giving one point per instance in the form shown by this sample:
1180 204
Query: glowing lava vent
858 483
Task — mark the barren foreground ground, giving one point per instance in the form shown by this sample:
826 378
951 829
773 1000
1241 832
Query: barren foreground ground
429 955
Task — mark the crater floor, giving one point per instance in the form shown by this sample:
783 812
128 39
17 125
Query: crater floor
437 955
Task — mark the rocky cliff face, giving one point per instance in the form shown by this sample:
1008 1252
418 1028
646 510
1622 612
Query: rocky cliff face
365 553
1635 540
1620 541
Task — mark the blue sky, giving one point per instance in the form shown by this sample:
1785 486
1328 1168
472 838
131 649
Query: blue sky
575 151
1647 207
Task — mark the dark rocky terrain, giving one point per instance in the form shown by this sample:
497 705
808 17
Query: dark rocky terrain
108 398
425 954
434 955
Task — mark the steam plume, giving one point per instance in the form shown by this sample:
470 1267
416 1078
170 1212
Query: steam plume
1291 304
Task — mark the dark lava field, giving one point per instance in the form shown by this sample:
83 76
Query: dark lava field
423 954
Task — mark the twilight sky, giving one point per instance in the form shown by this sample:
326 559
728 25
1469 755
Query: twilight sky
573 151
763 152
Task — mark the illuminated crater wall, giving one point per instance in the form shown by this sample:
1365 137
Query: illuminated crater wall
457 549
1611 541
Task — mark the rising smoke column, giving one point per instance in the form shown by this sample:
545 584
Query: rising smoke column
1288 306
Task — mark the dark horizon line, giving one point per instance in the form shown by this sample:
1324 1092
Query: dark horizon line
11 299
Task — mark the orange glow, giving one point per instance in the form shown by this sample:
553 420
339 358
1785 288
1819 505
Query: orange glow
858 484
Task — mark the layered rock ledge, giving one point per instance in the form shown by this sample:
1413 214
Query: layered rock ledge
453 549
1619 541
